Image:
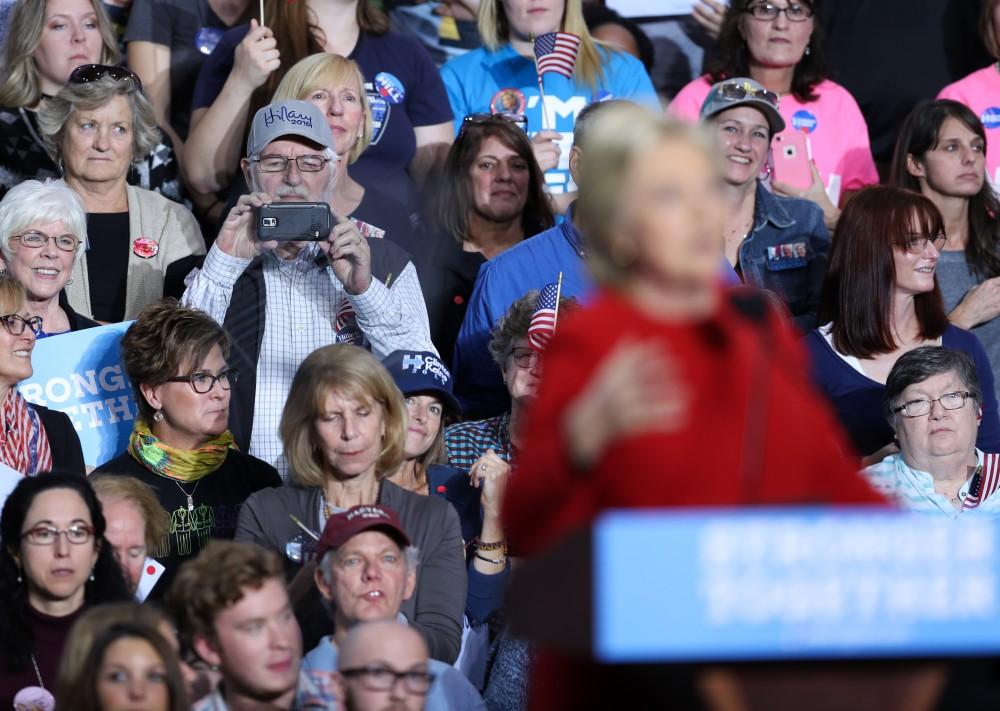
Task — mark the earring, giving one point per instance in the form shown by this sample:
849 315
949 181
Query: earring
622 252
91 576
808 50
158 416
68 282
19 579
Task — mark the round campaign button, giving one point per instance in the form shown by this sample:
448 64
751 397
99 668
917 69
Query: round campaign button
804 120
390 87
508 101
991 117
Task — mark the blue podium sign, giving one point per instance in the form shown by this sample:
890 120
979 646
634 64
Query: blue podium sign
783 583
81 374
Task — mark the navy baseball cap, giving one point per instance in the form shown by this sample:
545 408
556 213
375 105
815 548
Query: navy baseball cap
422 372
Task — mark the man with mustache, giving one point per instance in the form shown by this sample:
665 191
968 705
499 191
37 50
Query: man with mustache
282 300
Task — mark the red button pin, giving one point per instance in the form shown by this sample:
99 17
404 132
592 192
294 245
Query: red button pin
150 570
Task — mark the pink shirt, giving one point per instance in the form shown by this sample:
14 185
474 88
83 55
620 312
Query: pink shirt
837 131
980 91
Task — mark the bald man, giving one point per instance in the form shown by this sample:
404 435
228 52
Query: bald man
384 664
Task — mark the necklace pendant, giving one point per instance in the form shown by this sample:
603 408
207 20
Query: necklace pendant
190 503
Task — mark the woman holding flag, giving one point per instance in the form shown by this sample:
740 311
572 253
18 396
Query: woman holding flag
572 70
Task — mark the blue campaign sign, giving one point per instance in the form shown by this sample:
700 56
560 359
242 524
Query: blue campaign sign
793 583
81 374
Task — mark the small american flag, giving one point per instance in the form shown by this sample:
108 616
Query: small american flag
556 52
985 481
543 321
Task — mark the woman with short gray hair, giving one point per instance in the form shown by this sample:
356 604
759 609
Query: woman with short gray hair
43 232
141 244
933 402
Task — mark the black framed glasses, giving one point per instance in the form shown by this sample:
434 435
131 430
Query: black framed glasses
15 324
77 534
485 119
309 163
737 91
917 243
86 73
34 239
768 12
921 407
380 678
525 357
202 381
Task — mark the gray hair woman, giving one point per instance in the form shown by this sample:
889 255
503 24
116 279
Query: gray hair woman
933 401
142 245
45 41
43 232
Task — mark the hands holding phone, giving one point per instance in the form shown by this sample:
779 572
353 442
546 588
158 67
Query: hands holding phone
238 236
350 256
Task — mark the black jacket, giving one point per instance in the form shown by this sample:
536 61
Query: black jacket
67 454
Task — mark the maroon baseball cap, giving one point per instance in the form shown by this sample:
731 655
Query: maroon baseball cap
342 526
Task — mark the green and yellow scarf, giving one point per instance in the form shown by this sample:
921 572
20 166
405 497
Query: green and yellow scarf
185 465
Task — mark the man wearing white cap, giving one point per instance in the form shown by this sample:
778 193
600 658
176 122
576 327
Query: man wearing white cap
282 300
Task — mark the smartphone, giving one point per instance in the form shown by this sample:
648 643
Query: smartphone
790 154
293 221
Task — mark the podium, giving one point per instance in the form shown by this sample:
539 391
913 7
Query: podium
772 608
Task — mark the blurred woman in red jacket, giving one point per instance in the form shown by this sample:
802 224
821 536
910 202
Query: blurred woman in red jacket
666 390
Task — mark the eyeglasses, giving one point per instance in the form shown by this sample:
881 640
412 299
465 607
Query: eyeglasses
77 534
203 381
525 357
919 408
86 73
737 91
483 119
384 679
279 164
768 12
15 324
917 243
36 240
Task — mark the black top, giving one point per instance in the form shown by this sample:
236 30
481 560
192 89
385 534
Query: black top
385 217
23 156
49 639
918 46
67 454
447 280
217 499
107 264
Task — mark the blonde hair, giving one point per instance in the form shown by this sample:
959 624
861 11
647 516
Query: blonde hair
126 488
21 85
353 373
12 295
54 113
320 71
494 28
616 140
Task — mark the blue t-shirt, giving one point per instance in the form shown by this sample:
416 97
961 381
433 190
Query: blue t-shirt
404 91
858 400
482 81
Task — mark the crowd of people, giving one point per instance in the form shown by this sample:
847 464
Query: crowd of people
525 296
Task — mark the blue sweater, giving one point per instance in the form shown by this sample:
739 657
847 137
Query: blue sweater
858 400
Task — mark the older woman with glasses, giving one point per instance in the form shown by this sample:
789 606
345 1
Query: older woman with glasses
933 402
180 445
37 439
54 563
43 231
141 244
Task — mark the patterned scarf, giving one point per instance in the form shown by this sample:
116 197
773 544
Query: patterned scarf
185 465
25 445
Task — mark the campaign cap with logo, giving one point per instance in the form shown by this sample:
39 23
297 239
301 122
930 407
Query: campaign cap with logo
288 118
418 372
743 91
343 526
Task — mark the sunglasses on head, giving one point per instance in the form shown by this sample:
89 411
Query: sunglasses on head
735 91
519 120
86 73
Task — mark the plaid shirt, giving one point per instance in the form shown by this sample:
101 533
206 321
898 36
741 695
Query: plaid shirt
468 441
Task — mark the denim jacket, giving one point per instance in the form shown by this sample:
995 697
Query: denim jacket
787 252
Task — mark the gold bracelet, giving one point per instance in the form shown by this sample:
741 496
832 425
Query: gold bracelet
498 546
